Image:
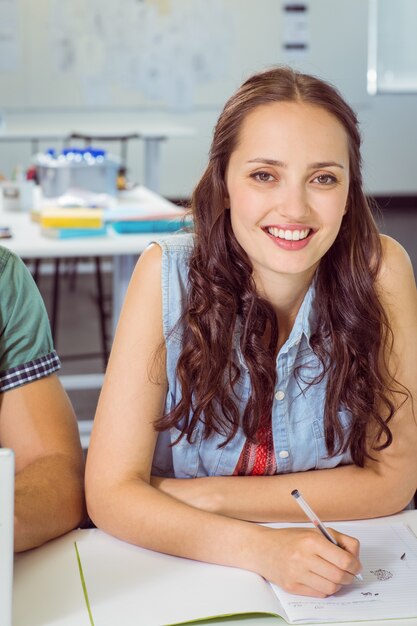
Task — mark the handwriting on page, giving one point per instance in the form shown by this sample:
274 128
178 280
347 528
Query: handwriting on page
382 574
368 593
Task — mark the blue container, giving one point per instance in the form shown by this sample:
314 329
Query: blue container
88 169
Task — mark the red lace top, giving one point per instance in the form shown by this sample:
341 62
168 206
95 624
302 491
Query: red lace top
258 459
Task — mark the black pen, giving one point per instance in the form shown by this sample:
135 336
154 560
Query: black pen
317 522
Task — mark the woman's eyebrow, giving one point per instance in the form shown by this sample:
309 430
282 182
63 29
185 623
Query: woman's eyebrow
321 164
276 163
266 161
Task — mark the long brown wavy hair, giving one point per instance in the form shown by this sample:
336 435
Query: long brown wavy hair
352 329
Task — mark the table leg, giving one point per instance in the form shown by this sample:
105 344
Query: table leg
152 162
102 315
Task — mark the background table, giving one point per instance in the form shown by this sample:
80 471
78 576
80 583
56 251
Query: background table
28 242
152 136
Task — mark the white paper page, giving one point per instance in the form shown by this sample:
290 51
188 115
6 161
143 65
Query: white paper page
130 586
389 589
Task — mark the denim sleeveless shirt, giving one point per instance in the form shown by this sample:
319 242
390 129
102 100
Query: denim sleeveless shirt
298 408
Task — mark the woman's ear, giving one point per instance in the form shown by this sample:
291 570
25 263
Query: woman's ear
227 202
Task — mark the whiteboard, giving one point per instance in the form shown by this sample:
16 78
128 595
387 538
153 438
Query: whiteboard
169 54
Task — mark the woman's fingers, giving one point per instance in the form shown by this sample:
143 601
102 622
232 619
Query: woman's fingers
302 561
333 577
348 559
348 543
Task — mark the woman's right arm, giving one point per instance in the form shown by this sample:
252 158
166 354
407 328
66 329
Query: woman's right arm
122 502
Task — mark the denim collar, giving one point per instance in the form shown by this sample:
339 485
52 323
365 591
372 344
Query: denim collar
304 321
303 326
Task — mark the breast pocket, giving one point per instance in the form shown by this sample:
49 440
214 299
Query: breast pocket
323 460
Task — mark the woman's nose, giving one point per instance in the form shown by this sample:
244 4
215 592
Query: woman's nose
293 205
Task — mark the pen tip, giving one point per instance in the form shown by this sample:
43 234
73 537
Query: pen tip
295 493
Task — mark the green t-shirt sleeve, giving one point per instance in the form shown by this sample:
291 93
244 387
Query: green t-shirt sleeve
26 348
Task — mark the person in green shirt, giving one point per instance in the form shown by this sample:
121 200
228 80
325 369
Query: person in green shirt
37 420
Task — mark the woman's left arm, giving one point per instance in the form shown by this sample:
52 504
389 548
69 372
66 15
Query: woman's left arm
385 485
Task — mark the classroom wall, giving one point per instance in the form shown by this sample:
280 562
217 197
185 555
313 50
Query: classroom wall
247 36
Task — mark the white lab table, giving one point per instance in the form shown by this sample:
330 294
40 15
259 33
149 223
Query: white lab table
28 242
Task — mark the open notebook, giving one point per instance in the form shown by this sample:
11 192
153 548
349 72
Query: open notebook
129 585
6 535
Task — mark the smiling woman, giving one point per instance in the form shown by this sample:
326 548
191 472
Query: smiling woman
273 349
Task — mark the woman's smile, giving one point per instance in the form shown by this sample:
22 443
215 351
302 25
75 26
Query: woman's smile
289 237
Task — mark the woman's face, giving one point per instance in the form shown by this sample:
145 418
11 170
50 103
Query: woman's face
288 182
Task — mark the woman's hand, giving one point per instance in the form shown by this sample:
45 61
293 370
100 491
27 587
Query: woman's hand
302 561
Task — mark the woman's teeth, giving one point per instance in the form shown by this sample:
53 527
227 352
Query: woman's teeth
289 235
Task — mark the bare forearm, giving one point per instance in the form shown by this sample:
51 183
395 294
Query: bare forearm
136 512
49 500
345 492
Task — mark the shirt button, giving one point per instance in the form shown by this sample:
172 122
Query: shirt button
284 454
280 395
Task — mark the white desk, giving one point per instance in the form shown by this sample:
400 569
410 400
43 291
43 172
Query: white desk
152 134
47 589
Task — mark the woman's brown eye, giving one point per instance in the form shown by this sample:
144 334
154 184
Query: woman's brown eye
326 179
263 176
